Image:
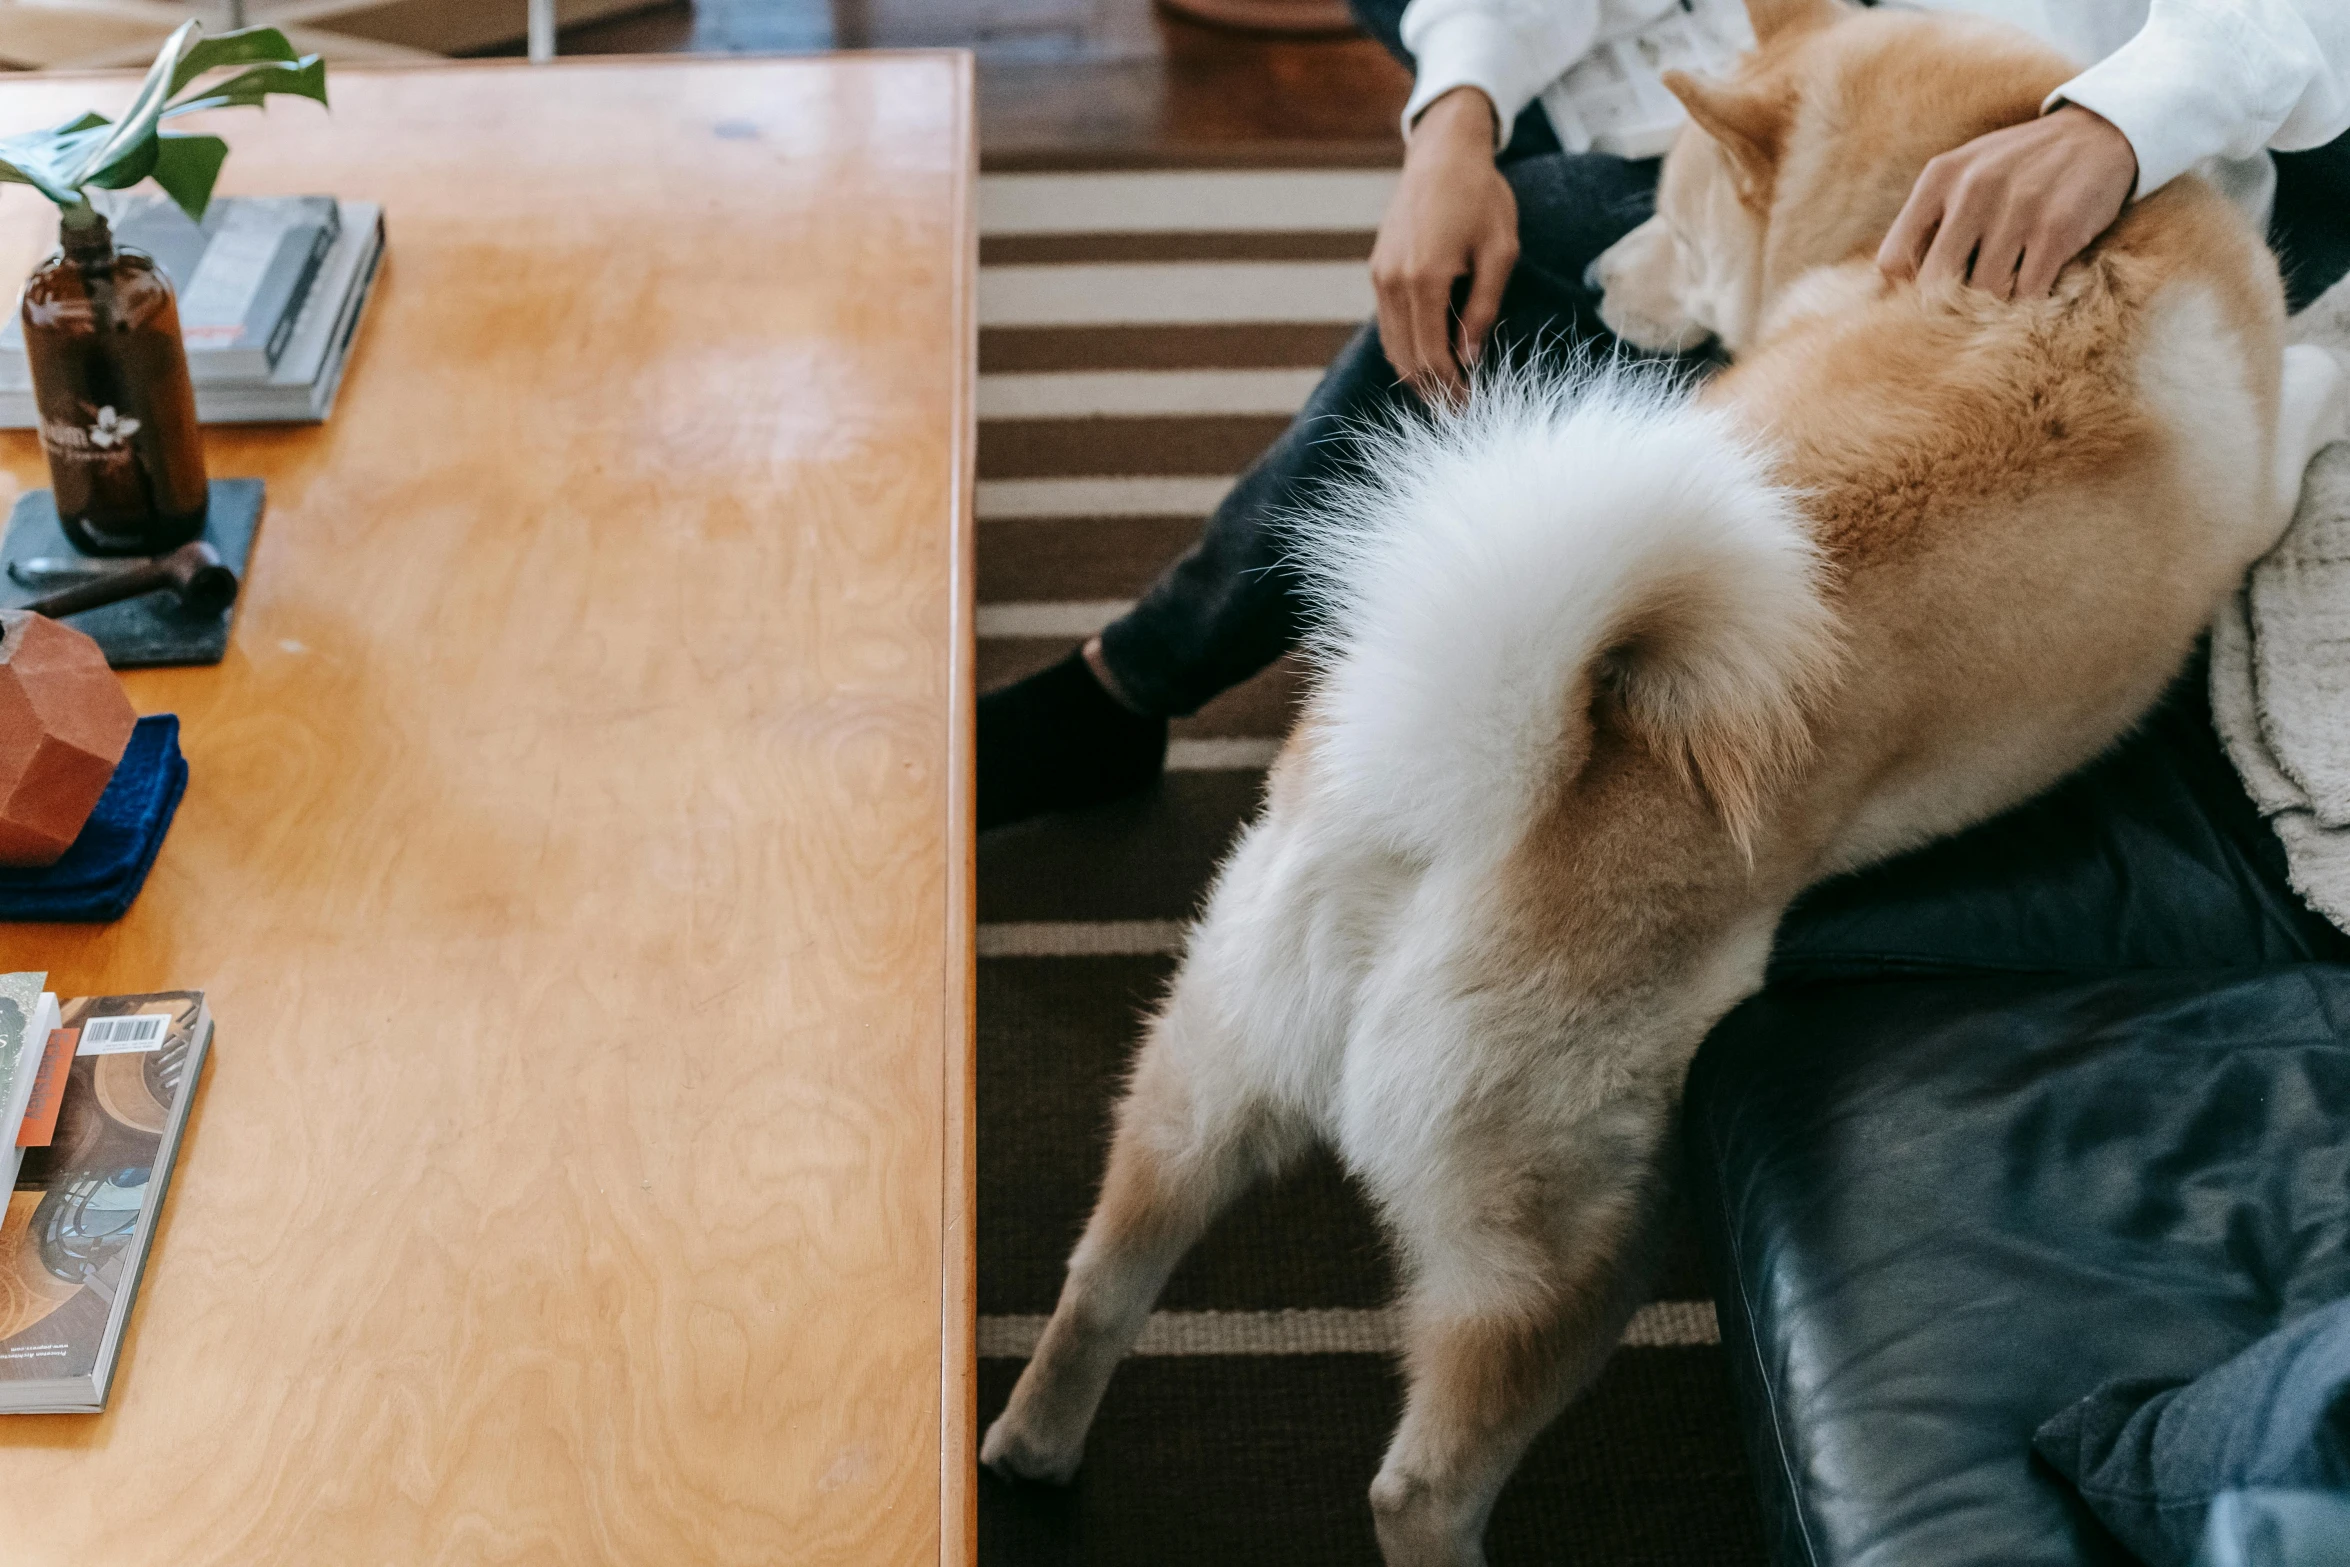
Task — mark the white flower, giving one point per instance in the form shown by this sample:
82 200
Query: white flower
112 429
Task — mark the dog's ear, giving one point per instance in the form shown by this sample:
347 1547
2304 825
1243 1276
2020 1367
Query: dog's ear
1747 122
1772 18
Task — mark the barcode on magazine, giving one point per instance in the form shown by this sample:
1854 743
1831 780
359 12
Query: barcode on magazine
114 1036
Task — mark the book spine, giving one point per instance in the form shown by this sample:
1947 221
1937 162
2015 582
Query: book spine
320 244
167 1154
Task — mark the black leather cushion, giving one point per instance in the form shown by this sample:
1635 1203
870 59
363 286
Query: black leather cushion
1942 1210
2150 1456
2151 857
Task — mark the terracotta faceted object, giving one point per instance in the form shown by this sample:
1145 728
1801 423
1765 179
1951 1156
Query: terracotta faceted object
64 722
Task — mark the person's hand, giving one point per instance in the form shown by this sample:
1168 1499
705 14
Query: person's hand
1452 216
2006 211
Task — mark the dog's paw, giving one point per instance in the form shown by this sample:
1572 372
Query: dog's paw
1016 1454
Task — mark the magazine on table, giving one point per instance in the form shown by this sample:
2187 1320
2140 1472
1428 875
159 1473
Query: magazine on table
294 373
81 1217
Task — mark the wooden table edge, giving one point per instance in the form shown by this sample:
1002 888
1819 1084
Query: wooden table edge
574 62
958 1522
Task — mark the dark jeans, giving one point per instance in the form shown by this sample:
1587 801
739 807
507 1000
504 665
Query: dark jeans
1232 605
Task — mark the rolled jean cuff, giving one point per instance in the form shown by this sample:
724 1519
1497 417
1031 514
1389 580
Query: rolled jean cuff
1145 656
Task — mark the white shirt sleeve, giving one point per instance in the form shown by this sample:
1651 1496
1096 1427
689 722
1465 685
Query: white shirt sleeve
1508 49
2223 78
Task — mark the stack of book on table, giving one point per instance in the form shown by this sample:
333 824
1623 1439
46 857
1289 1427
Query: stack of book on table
93 1096
270 288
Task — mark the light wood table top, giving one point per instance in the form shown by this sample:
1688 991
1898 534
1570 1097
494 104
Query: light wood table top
577 857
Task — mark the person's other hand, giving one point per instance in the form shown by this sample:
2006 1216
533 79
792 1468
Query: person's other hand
2006 211
1452 216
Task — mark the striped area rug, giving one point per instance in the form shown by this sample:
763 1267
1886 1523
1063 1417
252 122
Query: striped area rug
1142 337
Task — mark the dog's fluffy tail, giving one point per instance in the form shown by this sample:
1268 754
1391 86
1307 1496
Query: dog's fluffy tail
1498 566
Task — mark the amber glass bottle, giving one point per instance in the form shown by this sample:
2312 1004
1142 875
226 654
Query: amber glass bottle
110 378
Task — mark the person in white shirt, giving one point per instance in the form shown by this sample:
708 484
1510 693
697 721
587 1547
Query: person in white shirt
2177 82
1492 226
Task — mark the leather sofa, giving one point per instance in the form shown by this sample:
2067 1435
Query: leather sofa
2062 1100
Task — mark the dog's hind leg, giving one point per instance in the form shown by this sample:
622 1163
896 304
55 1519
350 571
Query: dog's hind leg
1191 1136
1522 1277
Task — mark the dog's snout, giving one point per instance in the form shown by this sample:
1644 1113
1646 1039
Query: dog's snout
1592 279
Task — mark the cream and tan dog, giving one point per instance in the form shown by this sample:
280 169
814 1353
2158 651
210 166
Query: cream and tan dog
1612 673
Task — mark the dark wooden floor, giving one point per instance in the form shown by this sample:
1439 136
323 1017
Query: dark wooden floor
1104 82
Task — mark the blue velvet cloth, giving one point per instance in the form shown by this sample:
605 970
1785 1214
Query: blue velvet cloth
107 865
2276 1529
2149 1456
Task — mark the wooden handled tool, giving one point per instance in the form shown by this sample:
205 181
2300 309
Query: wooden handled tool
194 573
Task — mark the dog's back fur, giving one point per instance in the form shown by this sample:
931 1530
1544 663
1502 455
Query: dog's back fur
1610 673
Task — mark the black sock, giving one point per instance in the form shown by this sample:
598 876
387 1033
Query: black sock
1056 741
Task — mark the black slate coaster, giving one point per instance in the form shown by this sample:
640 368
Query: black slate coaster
153 629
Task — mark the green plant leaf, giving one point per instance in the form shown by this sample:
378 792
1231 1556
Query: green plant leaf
133 166
304 78
246 46
47 160
138 121
186 166
91 151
